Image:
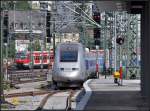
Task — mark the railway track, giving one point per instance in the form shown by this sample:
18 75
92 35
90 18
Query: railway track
27 81
46 98
24 76
20 71
68 100
29 93
14 71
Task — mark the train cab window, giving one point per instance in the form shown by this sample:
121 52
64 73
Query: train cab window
68 56
17 56
21 55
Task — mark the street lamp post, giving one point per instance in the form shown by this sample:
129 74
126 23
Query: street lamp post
14 2
43 36
54 13
31 39
1 60
115 27
97 67
54 40
6 62
42 47
105 70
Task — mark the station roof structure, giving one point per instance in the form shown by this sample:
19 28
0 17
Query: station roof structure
110 5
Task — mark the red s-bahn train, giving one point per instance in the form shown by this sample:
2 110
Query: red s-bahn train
26 59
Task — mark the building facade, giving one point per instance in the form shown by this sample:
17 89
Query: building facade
27 26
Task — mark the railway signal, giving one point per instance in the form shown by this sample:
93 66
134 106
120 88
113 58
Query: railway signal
96 31
5 27
48 39
120 40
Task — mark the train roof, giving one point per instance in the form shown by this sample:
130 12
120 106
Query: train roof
70 43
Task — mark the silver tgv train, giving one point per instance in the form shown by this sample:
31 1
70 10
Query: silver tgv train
71 66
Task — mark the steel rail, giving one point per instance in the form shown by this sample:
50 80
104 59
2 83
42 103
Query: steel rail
29 93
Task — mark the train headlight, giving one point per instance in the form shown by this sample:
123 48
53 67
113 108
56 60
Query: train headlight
62 69
75 69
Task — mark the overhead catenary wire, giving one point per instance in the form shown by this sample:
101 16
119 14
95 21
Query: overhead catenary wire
66 25
87 15
82 16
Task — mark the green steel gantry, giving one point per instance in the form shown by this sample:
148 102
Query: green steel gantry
127 26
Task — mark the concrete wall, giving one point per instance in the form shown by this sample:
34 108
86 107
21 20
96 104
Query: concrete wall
145 52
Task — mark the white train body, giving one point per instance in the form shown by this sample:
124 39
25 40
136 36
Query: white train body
72 64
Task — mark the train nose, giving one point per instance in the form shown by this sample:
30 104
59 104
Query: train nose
19 61
69 69
68 74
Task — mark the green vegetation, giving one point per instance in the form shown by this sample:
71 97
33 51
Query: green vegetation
22 5
19 5
84 37
11 50
35 46
6 85
4 106
7 5
7 106
89 42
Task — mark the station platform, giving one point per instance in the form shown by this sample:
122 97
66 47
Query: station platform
106 95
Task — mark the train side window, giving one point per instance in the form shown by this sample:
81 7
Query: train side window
45 57
37 58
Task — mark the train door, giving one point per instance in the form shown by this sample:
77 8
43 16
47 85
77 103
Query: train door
28 58
45 58
36 58
51 57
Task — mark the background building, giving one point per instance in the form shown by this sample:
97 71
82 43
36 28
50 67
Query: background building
19 26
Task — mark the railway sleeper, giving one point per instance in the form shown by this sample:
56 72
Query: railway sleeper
27 76
26 81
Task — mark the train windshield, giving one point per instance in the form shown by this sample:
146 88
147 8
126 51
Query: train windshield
69 53
68 56
20 56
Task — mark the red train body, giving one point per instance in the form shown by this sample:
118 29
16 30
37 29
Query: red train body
26 59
